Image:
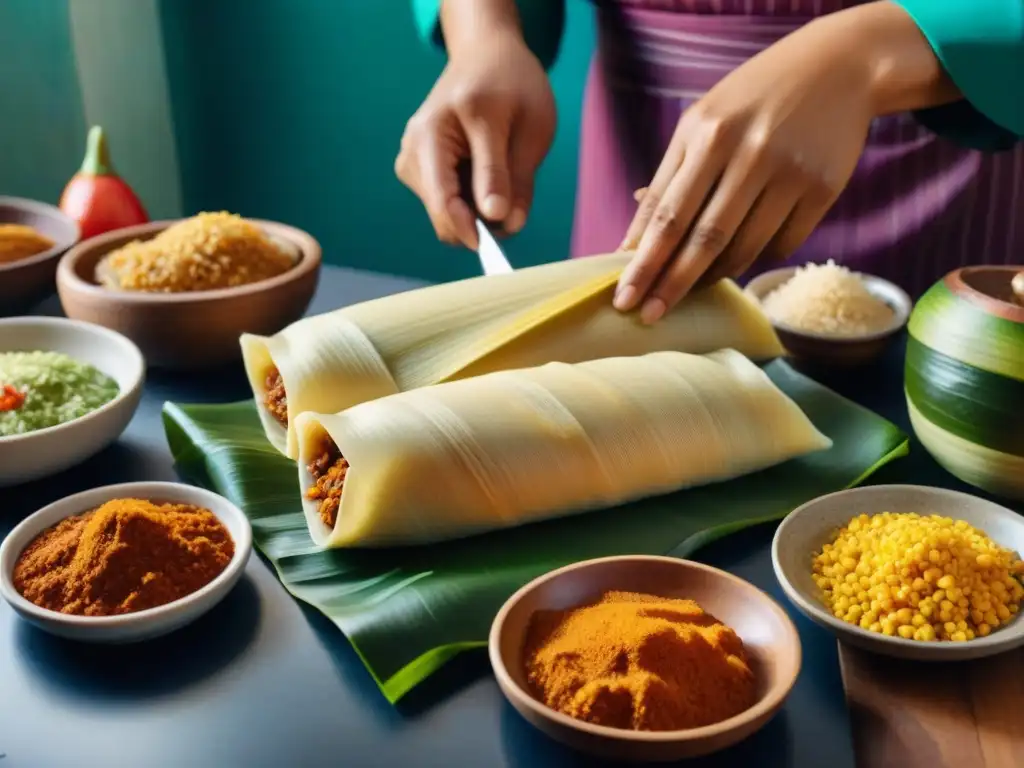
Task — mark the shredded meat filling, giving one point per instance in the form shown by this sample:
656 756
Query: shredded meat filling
328 470
276 399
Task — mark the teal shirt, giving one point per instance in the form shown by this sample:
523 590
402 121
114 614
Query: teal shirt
979 42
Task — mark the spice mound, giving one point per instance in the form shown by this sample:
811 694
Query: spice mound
44 389
275 398
328 471
829 299
206 252
18 241
639 662
125 556
921 577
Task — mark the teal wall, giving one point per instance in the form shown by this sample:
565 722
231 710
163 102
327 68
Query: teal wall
293 109
284 109
42 130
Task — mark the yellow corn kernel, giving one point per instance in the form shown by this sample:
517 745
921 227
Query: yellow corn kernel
906 632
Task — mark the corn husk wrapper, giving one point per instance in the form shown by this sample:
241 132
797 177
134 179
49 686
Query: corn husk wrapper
559 312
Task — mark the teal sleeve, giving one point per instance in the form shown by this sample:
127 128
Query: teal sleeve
543 22
981 45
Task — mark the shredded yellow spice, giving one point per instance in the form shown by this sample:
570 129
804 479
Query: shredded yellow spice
919 577
208 251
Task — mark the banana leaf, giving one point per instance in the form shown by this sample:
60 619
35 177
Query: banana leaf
408 610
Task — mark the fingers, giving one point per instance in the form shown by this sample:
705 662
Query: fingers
650 195
806 215
768 214
427 164
710 237
524 159
669 223
492 182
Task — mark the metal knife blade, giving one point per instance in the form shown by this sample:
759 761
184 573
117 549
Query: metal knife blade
492 258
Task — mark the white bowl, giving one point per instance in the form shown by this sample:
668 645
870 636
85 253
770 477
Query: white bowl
48 451
809 527
129 627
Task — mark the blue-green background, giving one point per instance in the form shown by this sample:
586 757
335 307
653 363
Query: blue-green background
285 109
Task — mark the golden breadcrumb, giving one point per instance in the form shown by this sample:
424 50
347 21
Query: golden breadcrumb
203 253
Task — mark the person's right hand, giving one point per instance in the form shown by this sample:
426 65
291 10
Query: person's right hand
491 106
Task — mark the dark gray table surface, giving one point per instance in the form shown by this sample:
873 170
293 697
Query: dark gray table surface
265 681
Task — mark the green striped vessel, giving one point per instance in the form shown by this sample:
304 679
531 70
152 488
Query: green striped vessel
964 377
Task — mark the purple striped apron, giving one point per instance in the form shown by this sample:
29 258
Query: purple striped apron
916 207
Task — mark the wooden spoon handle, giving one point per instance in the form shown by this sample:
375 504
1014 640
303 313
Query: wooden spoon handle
1018 286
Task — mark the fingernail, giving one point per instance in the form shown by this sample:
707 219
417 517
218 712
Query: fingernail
515 221
493 206
652 311
625 298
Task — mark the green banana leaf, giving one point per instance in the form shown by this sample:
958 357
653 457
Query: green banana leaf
409 610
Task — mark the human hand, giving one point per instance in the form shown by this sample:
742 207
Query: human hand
753 166
491 106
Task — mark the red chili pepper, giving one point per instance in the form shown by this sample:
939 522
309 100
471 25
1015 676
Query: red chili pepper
96 197
10 398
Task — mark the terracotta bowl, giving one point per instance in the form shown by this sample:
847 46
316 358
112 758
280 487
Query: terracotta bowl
28 281
824 351
770 638
197 329
964 376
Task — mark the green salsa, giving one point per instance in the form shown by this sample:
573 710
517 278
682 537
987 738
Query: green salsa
52 389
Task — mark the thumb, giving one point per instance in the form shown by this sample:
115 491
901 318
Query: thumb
492 187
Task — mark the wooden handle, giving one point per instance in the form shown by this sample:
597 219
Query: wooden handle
1018 286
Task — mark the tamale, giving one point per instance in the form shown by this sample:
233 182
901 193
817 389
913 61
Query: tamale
557 312
513 447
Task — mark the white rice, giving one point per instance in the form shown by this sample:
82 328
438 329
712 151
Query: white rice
827 299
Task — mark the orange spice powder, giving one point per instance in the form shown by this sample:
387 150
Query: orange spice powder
639 662
125 556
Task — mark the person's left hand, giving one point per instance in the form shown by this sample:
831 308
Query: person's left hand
753 167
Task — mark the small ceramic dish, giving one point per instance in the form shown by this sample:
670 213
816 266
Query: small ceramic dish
27 281
769 636
47 451
194 329
129 627
809 527
824 350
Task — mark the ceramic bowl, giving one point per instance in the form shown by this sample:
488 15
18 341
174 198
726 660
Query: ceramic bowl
770 638
28 281
809 527
822 350
130 627
48 451
197 329
964 378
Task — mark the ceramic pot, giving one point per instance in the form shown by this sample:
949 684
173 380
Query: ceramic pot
964 376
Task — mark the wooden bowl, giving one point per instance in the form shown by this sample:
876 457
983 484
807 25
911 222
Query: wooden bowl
825 351
964 376
770 638
196 329
814 524
28 281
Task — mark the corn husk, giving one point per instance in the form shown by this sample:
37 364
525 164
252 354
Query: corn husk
409 610
514 447
552 313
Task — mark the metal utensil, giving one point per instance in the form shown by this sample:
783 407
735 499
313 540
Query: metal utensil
492 258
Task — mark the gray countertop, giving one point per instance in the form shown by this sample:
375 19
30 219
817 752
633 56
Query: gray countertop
265 681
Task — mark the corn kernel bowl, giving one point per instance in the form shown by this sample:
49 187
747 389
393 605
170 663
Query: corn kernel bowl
803 533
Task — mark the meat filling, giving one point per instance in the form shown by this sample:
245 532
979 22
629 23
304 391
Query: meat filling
275 398
328 470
